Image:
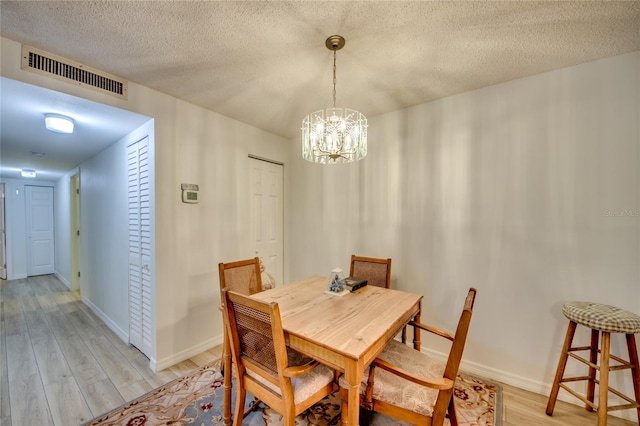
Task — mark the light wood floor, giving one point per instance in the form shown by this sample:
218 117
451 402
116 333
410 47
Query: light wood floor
60 365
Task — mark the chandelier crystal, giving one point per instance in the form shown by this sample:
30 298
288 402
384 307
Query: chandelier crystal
334 135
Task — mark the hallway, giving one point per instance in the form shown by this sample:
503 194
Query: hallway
60 364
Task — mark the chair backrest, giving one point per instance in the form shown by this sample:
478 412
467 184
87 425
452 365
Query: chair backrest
377 272
256 335
242 276
460 337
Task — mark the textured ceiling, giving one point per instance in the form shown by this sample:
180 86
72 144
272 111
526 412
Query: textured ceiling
265 63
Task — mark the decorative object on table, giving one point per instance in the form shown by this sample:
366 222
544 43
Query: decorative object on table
337 285
268 282
602 320
334 135
354 283
197 399
336 280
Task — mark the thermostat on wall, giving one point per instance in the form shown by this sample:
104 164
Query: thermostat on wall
189 193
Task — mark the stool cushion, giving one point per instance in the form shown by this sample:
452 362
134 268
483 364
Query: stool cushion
602 317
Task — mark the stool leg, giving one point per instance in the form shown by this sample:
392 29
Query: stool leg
571 330
593 358
635 371
604 379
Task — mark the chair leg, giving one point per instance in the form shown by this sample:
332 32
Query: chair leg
571 330
453 417
443 403
241 396
289 418
227 372
604 379
635 371
416 331
593 358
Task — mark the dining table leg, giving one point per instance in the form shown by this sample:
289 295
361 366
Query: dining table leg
226 358
353 375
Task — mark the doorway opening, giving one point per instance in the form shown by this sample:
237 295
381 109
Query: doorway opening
3 236
74 215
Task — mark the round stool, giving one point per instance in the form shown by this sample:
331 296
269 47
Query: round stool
601 319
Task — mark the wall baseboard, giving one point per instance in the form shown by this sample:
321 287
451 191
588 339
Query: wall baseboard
16 277
63 279
520 382
123 335
186 354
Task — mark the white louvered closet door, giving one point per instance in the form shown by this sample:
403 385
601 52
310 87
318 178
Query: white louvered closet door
140 247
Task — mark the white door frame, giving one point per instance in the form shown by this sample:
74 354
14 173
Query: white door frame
269 245
74 216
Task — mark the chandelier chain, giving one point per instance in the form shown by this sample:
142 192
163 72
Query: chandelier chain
334 78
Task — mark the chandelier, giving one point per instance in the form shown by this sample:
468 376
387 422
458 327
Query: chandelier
334 135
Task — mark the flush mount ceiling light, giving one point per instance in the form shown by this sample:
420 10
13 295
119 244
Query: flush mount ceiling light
334 135
58 123
29 173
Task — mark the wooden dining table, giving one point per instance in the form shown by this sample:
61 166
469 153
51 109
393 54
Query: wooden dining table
343 332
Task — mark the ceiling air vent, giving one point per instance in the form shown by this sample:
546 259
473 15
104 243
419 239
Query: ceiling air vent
46 63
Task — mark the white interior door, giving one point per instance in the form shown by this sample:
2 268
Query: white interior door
267 215
40 243
140 247
3 237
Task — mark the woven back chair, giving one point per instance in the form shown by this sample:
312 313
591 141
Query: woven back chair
265 367
242 276
407 384
377 272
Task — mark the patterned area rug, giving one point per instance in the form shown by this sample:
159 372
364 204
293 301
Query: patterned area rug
196 399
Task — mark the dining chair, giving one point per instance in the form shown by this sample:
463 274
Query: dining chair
242 276
377 272
282 378
407 384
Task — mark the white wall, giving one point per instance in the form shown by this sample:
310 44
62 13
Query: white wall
192 145
62 202
211 151
17 226
104 232
527 190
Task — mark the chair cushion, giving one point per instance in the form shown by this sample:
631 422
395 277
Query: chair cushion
400 392
303 386
601 317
